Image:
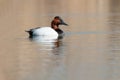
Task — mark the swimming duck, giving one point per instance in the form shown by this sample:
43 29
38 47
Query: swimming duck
53 31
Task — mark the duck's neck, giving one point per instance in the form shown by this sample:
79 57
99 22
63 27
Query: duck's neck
54 25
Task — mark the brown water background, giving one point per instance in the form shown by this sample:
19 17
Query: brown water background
90 49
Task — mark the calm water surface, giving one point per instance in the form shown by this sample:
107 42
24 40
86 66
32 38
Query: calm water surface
90 49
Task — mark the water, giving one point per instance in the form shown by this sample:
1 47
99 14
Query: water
89 51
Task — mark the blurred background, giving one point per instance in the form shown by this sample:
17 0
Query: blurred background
90 49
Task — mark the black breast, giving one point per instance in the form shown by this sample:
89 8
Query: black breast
60 32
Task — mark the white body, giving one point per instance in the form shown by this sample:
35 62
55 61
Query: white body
46 31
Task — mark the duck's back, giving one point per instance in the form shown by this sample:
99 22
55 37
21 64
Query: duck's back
45 31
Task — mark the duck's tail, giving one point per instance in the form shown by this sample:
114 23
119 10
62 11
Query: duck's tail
30 32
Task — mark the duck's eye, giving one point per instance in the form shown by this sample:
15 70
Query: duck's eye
57 21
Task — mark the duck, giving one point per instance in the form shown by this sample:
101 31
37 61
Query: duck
54 31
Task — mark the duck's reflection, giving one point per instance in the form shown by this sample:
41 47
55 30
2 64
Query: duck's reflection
50 65
47 41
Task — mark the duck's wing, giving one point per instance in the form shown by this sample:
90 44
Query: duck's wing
42 31
30 31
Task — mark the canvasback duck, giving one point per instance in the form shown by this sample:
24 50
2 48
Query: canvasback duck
53 31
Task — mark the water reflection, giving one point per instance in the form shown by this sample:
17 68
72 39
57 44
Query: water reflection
47 62
114 40
47 41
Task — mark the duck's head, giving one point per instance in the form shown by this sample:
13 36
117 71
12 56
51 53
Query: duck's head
60 21
57 21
